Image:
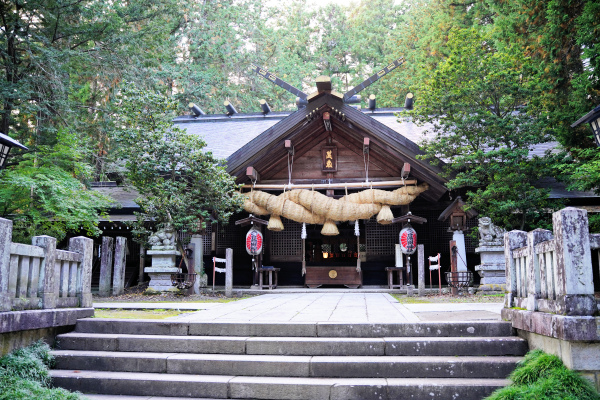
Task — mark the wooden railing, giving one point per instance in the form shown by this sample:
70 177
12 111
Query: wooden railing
552 271
38 276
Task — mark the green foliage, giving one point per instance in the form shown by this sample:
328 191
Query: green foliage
179 183
474 107
29 363
24 375
45 195
563 39
543 376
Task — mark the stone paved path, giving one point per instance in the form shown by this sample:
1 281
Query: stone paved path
334 307
323 307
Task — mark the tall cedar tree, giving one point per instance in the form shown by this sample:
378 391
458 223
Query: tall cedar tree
476 102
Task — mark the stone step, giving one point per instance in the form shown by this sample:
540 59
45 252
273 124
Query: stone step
289 366
117 397
246 387
309 329
314 346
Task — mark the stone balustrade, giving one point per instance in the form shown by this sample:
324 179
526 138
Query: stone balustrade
550 290
39 276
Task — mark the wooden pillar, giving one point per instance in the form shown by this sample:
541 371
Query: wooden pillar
119 274
453 263
106 263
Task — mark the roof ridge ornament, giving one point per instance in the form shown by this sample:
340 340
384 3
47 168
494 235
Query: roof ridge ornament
324 85
279 82
373 78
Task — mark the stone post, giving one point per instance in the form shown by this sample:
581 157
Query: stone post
106 263
5 244
85 247
421 256
201 278
229 272
534 287
512 240
119 273
48 278
142 264
575 287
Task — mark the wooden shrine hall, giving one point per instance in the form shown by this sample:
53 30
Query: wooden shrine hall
329 186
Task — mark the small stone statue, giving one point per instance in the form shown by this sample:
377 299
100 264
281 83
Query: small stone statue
490 234
163 239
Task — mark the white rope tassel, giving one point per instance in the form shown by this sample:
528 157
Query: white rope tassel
356 228
303 234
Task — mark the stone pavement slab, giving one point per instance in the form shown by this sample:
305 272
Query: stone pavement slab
340 307
308 307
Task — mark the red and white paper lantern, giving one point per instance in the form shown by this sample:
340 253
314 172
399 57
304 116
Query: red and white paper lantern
254 242
408 240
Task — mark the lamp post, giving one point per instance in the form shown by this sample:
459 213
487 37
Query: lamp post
593 118
6 143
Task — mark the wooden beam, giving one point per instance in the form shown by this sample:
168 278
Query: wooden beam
289 147
410 218
251 220
252 174
324 84
405 170
349 185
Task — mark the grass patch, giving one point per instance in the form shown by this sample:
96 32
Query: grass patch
404 299
137 314
544 376
24 375
465 298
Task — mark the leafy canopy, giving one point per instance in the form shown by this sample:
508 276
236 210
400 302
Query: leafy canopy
477 101
179 183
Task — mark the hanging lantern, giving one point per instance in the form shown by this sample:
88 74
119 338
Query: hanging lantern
254 242
408 240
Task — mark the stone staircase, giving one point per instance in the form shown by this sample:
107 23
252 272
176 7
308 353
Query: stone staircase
461 360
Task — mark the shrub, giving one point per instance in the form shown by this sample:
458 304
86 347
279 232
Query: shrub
24 375
544 376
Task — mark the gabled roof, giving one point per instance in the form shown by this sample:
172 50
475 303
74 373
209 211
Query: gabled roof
224 135
265 149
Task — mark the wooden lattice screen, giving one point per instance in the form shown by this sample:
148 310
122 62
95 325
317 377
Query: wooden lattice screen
287 244
381 239
206 239
230 236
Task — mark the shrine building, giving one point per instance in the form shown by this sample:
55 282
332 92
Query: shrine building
317 176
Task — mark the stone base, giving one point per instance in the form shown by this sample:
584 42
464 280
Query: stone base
492 268
492 288
200 284
160 279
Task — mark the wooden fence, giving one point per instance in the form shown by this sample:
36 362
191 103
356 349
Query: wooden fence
39 276
552 271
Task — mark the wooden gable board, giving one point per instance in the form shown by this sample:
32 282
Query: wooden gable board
266 152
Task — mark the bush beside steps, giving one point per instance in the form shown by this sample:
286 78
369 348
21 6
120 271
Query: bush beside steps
24 375
543 376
